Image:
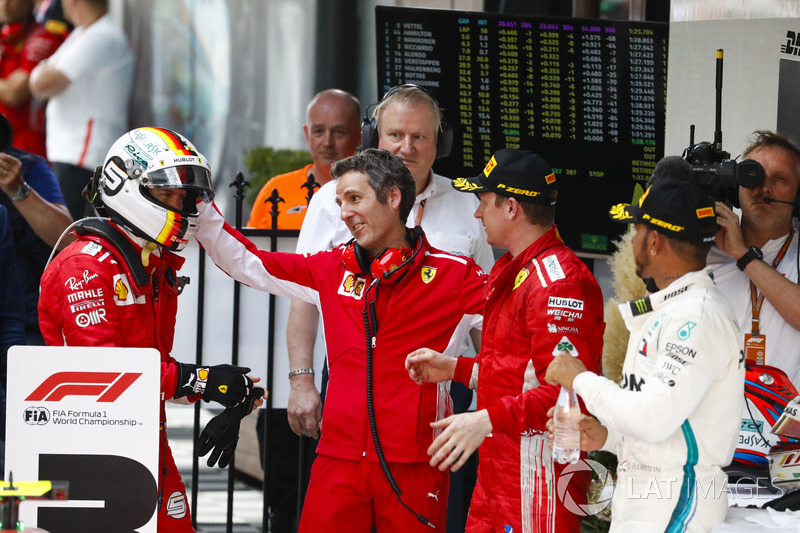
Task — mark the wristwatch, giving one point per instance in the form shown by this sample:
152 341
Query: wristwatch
754 252
22 192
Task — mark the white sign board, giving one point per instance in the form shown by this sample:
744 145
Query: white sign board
88 416
760 89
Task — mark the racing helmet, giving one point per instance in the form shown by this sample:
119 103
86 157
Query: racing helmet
146 159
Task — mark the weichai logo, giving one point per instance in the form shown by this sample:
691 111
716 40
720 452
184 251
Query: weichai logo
107 386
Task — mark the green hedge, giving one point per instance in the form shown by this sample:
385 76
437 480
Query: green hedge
266 162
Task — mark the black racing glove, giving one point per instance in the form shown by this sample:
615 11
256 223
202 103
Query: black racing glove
225 384
222 432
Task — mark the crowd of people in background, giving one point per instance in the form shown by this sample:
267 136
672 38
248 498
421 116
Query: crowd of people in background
380 233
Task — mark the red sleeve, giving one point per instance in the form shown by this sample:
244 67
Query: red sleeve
563 316
38 46
463 372
473 289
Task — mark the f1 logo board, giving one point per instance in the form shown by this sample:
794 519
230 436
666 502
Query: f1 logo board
88 416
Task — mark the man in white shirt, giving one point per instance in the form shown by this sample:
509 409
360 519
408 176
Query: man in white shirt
88 83
756 263
673 421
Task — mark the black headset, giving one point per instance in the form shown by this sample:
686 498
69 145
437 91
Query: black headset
369 127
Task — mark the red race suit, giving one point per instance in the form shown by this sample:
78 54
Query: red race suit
89 298
540 302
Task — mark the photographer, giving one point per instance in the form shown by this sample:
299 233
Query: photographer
757 260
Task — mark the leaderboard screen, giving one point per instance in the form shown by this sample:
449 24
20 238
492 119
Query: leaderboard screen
587 95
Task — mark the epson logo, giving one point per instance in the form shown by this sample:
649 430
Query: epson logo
568 303
680 349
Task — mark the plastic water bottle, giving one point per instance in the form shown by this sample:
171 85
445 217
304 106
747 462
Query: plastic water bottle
566 441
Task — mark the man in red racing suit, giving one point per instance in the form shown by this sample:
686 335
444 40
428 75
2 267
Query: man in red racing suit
89 299
116 285
542 300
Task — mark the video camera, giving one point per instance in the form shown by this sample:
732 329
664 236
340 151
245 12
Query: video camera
712 168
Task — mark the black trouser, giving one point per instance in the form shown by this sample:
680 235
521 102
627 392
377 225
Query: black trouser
283 473
72 180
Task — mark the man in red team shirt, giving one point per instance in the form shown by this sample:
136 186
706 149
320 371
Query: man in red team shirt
23 44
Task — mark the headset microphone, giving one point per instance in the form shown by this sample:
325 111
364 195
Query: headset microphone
769 200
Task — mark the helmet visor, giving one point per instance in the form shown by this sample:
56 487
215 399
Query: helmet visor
182 177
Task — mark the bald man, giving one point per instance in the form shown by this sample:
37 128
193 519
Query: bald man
332 131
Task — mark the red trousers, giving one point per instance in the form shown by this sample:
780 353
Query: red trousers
174 515
353 496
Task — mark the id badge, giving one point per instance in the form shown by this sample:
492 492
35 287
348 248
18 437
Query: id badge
755 348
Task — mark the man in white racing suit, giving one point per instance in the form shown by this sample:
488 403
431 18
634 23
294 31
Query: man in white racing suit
674 419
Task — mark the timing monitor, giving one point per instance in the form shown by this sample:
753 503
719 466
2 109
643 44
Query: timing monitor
588 95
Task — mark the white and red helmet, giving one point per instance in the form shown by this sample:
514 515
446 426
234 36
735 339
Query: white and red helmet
155 158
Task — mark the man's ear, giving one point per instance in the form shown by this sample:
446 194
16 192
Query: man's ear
394 197
656 241
513 208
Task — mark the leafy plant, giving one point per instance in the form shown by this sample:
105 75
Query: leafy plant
265 162
600 522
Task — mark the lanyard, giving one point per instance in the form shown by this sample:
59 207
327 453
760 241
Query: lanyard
418 219
756 299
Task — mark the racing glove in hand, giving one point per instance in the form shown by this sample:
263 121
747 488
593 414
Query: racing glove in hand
222 432
225 384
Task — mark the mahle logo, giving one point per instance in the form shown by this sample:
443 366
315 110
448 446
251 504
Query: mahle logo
588 509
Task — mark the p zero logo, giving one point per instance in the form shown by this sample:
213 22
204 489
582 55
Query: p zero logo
107 386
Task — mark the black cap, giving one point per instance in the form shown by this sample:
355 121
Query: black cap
675 208
515 174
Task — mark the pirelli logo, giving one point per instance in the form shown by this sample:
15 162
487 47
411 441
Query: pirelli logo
489 166
641 306
705 212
